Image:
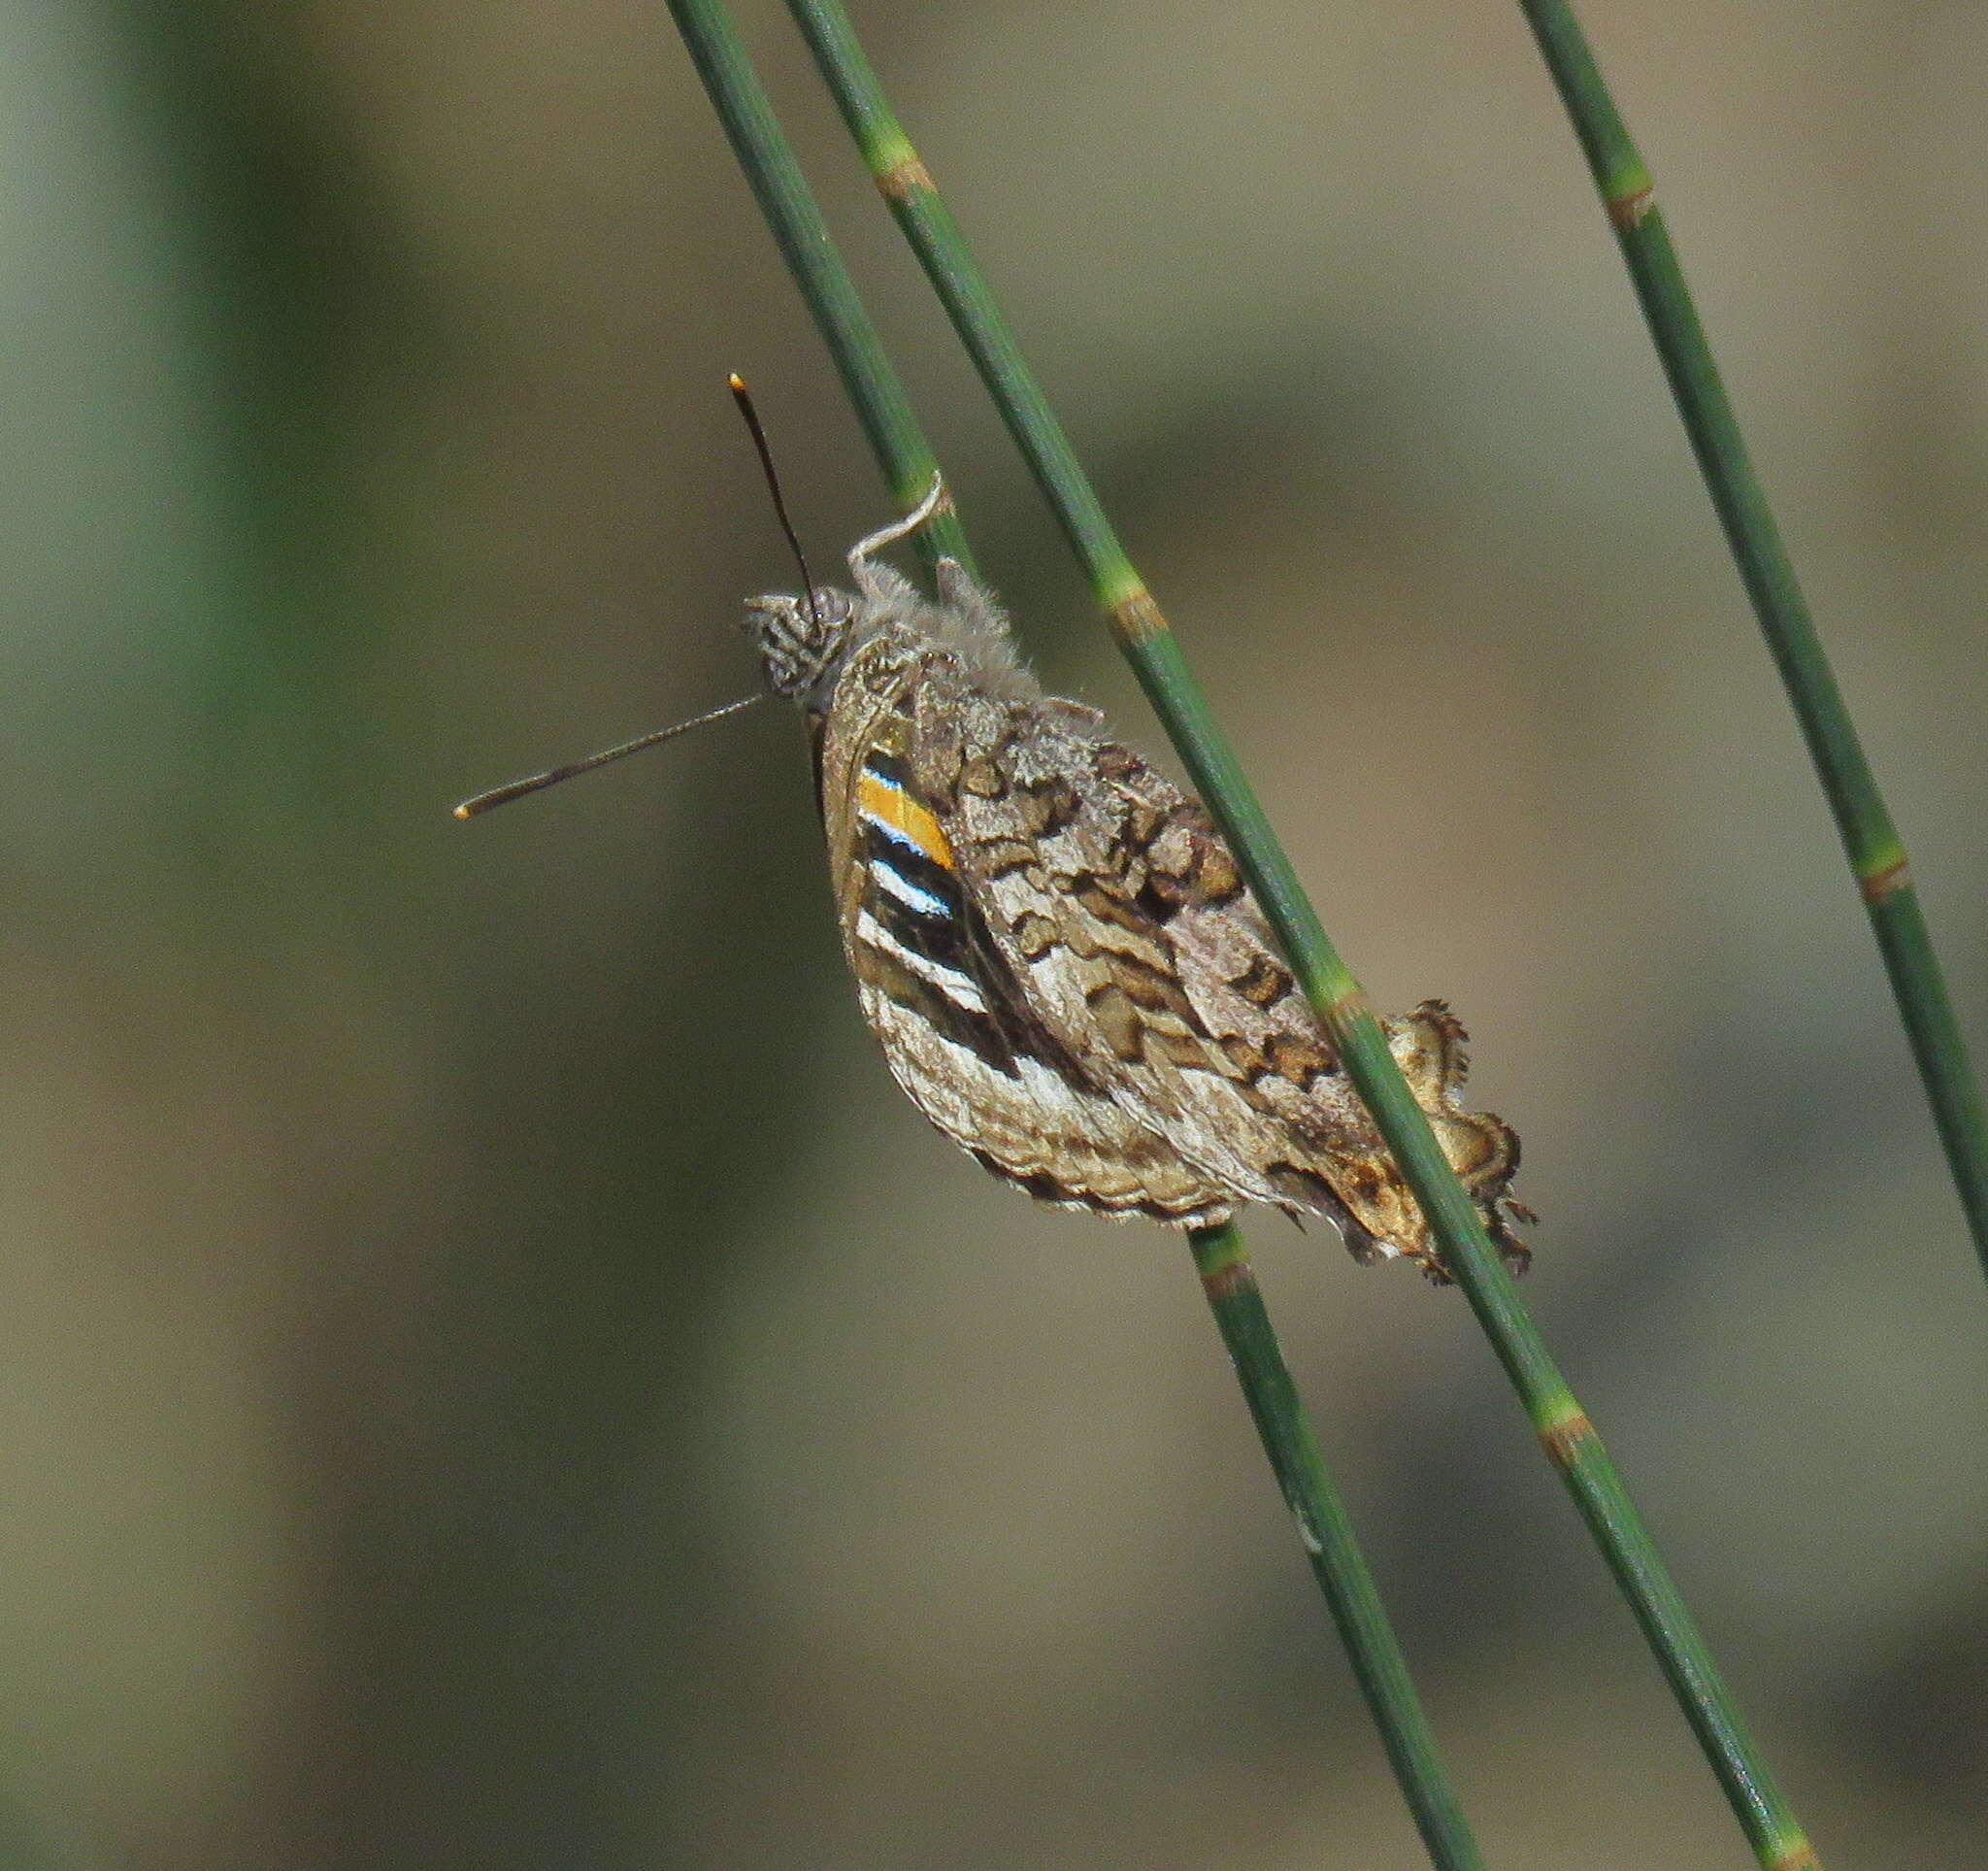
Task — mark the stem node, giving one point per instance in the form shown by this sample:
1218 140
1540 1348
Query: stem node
1627 210
1567 1438
904 178
1883 883
1137 619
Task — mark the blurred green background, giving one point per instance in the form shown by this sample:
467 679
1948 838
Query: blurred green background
491 1374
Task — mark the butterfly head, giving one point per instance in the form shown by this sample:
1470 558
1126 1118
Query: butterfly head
802 642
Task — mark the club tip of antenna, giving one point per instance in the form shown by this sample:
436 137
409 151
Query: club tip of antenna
462 811
735 384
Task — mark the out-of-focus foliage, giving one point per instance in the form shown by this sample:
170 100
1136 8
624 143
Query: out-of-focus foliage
491 1372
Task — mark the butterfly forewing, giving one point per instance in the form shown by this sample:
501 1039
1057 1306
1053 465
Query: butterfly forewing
958 1033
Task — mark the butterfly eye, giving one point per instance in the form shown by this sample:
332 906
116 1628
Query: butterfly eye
799 639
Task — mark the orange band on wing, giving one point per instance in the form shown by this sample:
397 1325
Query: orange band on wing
883 802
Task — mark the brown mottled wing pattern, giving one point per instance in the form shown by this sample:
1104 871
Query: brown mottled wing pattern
959 1035
1140 953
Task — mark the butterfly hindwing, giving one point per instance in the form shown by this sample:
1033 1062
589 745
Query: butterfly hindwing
1113 896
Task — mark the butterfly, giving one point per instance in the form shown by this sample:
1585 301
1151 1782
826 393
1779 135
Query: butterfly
1057 951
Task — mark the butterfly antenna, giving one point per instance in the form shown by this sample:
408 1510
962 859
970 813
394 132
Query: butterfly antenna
744 398
539 782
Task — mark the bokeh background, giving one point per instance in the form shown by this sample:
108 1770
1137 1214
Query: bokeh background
491 1374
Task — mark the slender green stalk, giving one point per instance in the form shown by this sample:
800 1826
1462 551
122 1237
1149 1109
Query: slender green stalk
928 225
1564 1429
1871 841
1232 1295
1327 1535
903 455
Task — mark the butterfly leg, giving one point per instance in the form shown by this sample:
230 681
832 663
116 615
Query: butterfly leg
937 500
958 592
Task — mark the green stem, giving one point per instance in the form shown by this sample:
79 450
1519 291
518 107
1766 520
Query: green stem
1327 1536
1871 841
903 455
1149 643
928 225
906 461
